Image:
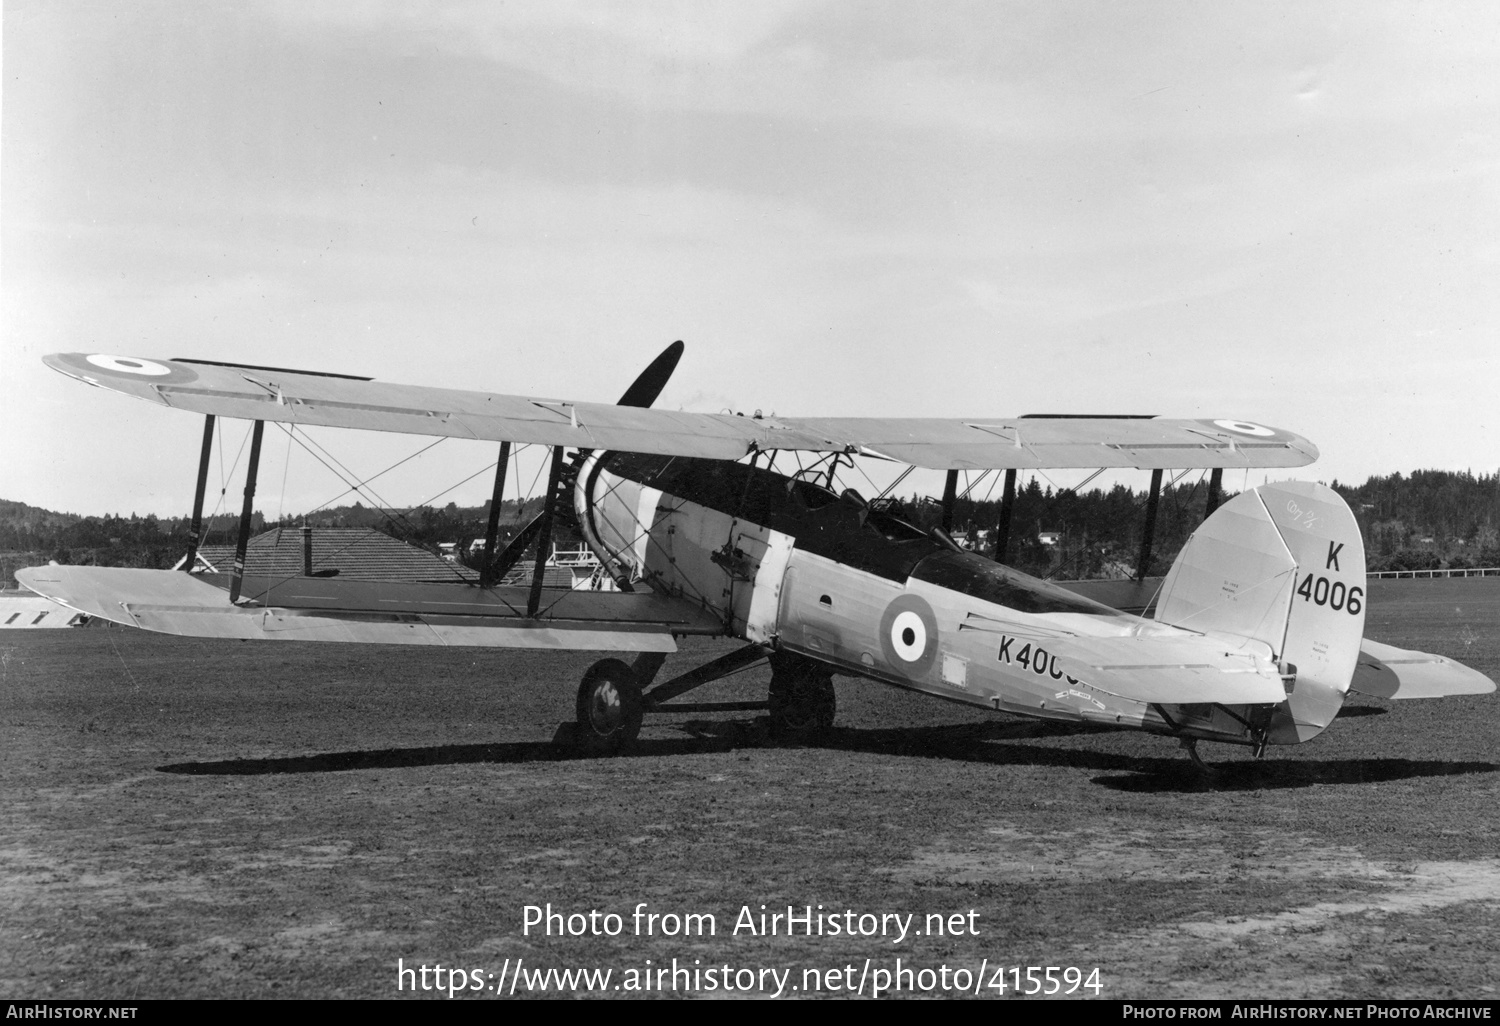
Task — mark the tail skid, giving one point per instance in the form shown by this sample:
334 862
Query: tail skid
1282 565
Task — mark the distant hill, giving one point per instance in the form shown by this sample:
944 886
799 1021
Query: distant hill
385 519
33 517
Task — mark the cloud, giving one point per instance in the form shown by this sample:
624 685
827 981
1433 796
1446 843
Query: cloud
1045 71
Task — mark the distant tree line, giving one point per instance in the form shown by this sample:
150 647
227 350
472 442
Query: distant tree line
1426 520
30 536
1098 532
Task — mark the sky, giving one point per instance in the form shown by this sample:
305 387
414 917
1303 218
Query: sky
1278 212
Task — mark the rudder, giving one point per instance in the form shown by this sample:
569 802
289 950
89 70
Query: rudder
1283 565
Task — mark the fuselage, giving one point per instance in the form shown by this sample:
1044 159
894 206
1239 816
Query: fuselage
789 563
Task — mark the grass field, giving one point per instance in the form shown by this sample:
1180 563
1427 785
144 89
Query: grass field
219 819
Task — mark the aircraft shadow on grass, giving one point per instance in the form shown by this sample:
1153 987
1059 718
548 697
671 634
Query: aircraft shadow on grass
1005 744
997 744
1353 711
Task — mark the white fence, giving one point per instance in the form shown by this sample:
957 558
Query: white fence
1477 571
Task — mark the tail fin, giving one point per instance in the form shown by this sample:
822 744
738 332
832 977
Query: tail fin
1283 565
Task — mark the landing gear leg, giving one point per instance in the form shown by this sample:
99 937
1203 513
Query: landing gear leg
609 708
1190 745
803 704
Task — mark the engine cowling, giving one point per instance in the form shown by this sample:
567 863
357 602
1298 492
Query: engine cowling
688 547
615 516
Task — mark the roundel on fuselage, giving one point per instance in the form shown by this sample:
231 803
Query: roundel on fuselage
909 636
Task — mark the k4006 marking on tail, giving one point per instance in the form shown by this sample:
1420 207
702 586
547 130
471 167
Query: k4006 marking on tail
1333 594
1333 556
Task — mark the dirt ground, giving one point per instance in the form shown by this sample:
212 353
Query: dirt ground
219 819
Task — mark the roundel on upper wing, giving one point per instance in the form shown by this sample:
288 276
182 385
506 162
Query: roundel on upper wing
909 636
129 365
1244 427
100 366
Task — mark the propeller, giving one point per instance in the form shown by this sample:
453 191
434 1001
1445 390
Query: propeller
643 391
648 385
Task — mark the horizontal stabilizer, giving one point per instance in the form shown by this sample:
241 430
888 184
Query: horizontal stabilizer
1385 671
1172 670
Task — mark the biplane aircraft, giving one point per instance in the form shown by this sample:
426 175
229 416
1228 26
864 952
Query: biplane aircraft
1256 638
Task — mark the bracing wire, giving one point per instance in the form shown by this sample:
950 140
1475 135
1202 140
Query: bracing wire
286 467
539 468
894 484
362 484
991 489
382 473
974 483
378 502
223 477
873 486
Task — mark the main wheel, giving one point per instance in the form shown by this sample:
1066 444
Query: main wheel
802 699
609 708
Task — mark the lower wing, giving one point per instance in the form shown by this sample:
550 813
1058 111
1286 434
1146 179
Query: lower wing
311 609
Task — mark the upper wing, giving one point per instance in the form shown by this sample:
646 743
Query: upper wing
254 393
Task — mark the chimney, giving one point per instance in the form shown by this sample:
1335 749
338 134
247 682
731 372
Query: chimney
306 550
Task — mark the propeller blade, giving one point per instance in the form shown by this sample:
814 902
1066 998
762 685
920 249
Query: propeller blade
653 379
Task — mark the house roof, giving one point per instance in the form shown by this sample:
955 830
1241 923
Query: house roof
359 554
23 610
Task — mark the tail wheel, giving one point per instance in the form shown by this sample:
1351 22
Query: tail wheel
802 699
609 708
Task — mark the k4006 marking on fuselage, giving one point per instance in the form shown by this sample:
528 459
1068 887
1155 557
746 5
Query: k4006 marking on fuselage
1034 658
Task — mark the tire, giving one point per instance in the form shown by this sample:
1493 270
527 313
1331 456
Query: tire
803 704
609 708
